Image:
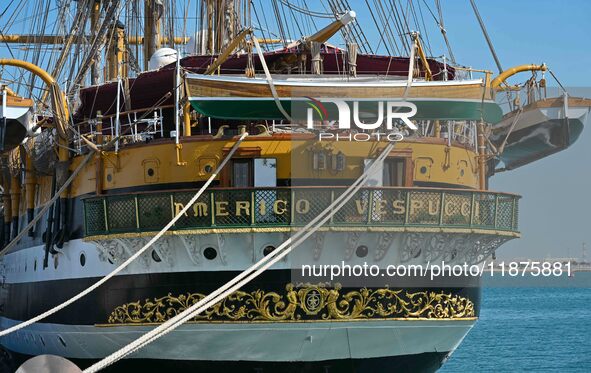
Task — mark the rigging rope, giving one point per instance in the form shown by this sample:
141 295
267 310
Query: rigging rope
443 30
485 33
307 12
134 256
247 275
269 78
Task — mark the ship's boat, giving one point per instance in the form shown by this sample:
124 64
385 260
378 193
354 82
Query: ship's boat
16 120
150 87
540 129
233 97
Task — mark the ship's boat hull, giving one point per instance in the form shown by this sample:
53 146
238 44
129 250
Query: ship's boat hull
540 130
15 122
243 98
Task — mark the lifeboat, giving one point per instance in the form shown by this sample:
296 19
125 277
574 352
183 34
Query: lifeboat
241 98
540 129
16 120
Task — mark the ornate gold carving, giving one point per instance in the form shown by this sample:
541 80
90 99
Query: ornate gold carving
306 303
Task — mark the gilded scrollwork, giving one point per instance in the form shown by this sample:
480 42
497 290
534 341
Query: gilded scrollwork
304 303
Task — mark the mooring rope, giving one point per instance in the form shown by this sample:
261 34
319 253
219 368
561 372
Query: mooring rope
134 256
247 275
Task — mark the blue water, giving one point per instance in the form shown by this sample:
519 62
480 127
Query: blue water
534 330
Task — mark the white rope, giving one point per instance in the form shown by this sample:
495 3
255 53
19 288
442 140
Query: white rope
411 70
515 120
134 256
270 79
242 278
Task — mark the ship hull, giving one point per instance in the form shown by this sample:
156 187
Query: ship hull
425 362
284 335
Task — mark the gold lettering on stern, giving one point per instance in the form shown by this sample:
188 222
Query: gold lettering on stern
433 211
398 206
449 208
242 205
302 206
280 210
199 209
178 207
263 208
465 209
379 205
220 208
415 205
361 208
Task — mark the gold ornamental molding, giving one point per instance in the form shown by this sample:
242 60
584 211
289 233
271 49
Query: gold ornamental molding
377 229
309 303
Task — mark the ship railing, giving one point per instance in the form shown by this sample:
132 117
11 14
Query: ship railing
268 208
136 126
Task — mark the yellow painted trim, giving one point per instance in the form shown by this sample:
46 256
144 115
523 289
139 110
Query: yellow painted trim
496 82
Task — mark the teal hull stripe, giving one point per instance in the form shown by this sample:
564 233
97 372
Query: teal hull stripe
248 109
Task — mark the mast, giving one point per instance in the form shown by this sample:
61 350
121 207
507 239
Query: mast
153 10
117 54
95 13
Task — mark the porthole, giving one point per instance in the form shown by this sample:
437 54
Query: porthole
423 170
210 253
82 259
150 172
156 257
61 340
109 178
268 250
462 172
361 251
207 169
